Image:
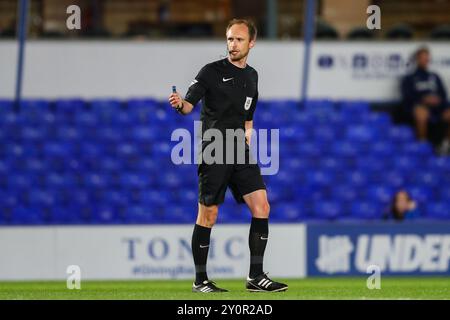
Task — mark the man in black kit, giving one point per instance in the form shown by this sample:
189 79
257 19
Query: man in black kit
229 88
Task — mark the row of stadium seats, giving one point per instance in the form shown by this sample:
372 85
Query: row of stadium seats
109 161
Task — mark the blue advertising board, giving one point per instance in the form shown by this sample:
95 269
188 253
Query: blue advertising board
395 248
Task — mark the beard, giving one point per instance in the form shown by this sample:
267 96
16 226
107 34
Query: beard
238 56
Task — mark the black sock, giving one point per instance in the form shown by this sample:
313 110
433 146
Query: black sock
257 240
200 248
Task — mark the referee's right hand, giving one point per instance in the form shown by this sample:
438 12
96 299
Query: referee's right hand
175 100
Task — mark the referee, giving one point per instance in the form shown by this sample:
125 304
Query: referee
229 89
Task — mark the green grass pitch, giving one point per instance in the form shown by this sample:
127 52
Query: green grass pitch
310 288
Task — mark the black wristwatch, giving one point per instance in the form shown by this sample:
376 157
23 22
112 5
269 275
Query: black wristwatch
179 109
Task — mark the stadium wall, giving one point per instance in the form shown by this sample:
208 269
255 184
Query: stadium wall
141 252
163 251
125 69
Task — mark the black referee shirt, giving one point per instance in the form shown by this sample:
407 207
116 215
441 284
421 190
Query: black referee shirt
229 95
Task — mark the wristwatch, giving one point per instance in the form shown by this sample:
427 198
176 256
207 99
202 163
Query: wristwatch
180 108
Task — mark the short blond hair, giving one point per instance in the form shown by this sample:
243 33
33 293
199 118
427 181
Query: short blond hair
252 31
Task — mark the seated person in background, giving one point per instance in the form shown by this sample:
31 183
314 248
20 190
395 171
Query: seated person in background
425 97
402 207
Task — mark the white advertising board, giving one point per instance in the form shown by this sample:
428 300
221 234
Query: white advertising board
142 252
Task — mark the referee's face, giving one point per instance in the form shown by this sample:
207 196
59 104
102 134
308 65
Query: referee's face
239 43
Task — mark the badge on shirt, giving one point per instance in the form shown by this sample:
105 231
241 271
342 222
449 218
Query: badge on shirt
248 103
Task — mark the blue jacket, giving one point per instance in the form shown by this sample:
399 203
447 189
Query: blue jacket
419 84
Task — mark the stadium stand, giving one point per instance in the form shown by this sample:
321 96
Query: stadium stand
107 161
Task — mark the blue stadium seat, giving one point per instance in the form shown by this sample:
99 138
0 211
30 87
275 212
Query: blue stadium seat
293 134
34 111
142 109
185 213
369 210
59 180
87 150
138 214
148 164
38 198
170 180
378 120
96 180
22 215
73 213
284 106
353 111
372 164
9 198
277 194
19 181
357 178
438 210
394 179
105 213
326 133
5 166
381 193
307 193
162 151
284 177
294 164
443 192
352 107
320 177
287 212
33 134
68 134
105 107
344 149
427 178
86 119
345 193
439 164
383 149
57 149
328 210
362 134
421 194
6 106
110 135
110 164
417 149
309 149
11 119
265 119
144 134
126 149
69 106
399 134
406 163
107 111
318 106
161 117
21 150
80 196
134 180
33 106
185 196
156 198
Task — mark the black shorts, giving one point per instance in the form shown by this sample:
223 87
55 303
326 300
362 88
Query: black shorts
214 179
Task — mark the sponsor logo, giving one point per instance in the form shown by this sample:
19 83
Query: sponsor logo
325 61
248 103
392 253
